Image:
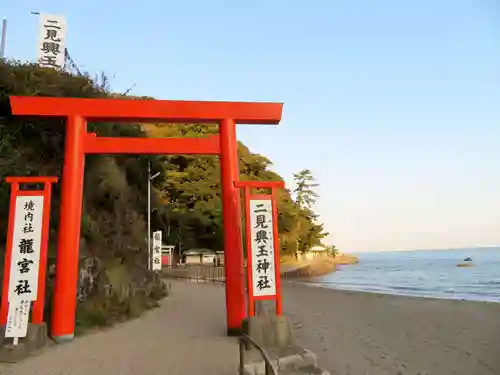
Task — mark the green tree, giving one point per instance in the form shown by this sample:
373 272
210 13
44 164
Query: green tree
309 232
333 250
304 190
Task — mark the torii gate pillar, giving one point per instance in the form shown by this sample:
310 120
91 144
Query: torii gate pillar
231 216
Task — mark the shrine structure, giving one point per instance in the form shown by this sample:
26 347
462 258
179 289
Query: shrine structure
78 143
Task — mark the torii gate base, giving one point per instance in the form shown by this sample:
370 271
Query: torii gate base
78 112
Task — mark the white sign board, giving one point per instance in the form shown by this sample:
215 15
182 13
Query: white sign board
156 257
26 243
262 248
17 318
51 46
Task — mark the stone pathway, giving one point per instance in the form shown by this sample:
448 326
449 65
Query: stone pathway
185 336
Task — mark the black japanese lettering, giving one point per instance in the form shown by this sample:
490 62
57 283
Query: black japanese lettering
51 47
24 265
263 283
261 236
29 206
26 246
24 308
49 61
261 221
51 34
263 252
263 265
22 287
28 228
261 209
29 216
53 24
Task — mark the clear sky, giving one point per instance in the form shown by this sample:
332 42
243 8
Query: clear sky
394 105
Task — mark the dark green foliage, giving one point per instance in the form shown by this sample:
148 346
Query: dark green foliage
306 196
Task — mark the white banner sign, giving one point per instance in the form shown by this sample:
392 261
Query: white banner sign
17 318
26 242
51 47
156 256
263 270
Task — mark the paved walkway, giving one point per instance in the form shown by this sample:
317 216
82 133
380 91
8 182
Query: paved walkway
185 336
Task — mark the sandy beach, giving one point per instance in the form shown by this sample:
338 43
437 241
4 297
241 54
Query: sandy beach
352 333
355 333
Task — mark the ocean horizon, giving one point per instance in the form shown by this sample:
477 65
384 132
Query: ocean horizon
422 273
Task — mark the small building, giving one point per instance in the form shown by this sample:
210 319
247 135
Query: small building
200 256
317 251
209 258
192 256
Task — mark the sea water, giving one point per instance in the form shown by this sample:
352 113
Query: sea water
426 273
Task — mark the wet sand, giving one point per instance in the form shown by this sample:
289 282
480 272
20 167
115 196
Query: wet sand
355 333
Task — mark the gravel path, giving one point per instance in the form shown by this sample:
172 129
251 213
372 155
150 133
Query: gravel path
185 336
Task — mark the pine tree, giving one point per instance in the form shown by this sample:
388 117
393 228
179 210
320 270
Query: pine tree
305 194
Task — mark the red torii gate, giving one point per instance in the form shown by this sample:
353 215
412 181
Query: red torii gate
78 143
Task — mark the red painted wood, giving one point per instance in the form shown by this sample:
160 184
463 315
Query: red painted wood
123 110
194 146
67 257
231 216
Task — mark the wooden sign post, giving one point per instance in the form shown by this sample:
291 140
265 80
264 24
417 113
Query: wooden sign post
156 253
25 255
262 243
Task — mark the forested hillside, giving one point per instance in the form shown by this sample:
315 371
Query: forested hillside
186 199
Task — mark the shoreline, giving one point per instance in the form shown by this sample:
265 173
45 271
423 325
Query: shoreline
315 267
318 284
